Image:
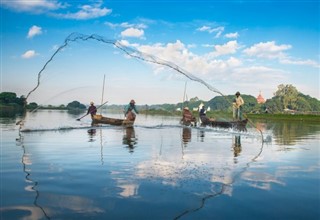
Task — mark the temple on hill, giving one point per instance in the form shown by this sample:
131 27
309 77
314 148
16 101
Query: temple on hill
260 99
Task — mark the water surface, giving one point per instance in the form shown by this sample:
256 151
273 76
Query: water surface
66 169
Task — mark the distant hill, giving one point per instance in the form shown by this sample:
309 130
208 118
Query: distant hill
300 104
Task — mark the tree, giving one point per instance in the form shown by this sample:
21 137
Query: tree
8 97
288 96
76 105
32 105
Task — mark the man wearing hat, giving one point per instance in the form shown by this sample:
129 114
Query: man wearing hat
237 107
128 112
187 117
92 109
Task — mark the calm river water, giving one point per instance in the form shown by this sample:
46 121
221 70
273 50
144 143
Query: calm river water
65 169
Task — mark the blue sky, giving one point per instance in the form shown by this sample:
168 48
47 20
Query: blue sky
246 46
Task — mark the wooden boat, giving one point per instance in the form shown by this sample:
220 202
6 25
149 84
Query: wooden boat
236 125
99 119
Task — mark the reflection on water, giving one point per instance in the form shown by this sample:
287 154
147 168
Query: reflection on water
186 135
129 139
289 132
86 173
236 145
92 134
33 187
201 135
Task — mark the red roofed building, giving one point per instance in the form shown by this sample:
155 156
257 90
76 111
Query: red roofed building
260 99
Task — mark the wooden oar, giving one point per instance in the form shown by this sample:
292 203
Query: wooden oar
78 119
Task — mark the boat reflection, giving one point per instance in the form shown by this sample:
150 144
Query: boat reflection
201 135
92 134
129 139
186 135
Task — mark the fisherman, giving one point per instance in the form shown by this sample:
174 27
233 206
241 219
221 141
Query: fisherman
187 117
131 111
92 109
203 117
237 107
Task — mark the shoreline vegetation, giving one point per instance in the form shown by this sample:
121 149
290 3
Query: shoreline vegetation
7 111
287 104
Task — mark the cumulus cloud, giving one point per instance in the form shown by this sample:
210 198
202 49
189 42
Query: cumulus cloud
54 8
33 31
86 12
227 48
267 50
217 68
132 32
270 50
179 54
29 54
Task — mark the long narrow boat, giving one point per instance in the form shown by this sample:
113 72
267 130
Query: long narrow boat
236 125
99 119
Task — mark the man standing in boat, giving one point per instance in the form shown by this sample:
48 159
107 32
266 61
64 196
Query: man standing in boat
131 111
92 109
237 107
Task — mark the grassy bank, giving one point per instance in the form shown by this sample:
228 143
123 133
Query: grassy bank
287 117
228 115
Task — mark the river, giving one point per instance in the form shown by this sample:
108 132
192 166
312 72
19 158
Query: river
67 169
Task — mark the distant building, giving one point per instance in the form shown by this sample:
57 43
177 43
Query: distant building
260 99
200 106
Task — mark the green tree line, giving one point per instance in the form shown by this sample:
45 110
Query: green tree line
286 98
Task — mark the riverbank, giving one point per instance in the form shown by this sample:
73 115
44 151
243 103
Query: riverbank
286 117
226 115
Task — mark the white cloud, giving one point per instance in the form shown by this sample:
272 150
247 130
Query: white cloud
228 48
34 6
300 62
228 69
86 12
192 46
33 31
132 32
29 54
50 7
126 25
204 28
232 35
217 30
270 50
178 55
267 50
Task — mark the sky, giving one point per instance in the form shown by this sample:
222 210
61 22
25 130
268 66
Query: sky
247 46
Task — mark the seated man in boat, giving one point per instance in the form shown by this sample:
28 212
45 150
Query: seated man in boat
237 107
205 120
203 117
131 111
92 109
188 118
